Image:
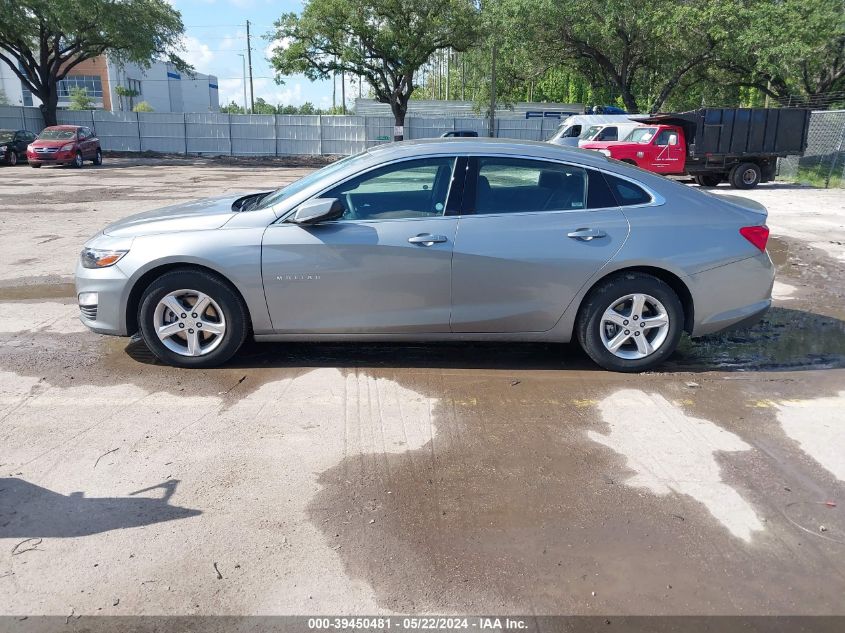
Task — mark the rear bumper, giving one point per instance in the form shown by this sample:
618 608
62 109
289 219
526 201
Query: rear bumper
732 296
110 284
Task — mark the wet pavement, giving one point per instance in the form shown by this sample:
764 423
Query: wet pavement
305 478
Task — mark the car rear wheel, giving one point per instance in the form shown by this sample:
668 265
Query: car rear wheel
98 157
746 176
77 160
192 319
12 158
630 322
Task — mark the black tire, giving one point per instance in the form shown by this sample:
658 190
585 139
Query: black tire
746 176
231 304
77 160
608 294
708 180
12 159
98 158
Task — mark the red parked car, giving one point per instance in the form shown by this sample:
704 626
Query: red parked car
65 145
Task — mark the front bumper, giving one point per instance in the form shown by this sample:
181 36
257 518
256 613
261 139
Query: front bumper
732 296
107 316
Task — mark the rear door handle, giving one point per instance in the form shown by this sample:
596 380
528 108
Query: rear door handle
585 235
426 239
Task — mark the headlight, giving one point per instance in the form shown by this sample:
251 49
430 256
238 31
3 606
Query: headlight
95 258
606 152
29 148
67 148
2 148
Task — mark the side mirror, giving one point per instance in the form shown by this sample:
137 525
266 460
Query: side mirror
317 210
673 139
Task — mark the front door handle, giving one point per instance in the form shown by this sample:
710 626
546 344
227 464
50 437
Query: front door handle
585 235
426 239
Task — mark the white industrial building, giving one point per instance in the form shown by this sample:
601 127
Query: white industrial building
161 85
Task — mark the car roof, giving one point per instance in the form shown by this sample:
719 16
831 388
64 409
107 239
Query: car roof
62 127
483 145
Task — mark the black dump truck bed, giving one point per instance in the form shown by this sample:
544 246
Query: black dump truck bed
721 132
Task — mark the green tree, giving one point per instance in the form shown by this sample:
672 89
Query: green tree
788 49
48 39
232 108
262 107
123 92
142 106
384 41
641 49
79 99
308 108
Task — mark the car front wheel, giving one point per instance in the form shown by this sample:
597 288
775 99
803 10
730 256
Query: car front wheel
12 159
192 319
77 160
630 322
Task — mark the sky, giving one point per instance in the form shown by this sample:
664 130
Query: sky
215 33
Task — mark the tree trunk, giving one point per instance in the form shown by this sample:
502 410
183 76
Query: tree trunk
399 110
49 103
629 100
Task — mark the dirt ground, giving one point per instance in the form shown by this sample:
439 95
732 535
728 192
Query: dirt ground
322 479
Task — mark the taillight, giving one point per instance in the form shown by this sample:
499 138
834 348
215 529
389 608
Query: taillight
757 235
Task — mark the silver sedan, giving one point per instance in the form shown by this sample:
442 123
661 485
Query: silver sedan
437 240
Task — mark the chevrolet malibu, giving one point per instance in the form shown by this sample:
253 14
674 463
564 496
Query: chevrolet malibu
437 240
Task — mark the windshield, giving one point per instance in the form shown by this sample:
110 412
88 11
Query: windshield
591 131
641 135
6 136
298 185
57 135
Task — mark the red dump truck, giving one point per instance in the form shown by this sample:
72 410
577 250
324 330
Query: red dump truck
713 145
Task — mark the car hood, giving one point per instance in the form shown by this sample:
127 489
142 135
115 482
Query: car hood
211 213
51 142
598 144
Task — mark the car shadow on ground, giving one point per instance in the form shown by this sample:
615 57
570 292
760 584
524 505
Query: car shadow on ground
29 511
785 339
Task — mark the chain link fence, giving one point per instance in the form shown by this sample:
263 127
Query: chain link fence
823 164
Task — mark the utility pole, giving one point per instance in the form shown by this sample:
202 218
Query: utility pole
343 91
448 68
463 76
243 59
249 58
493 92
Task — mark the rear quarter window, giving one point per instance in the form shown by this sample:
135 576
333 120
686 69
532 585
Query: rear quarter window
626 192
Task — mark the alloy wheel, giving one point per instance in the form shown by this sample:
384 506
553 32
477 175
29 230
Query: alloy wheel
634 326
189 322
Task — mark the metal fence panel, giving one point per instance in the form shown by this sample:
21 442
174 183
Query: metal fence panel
33 121
253 134
208 133
428 127
75 117
298 135
343 134
526 129
550 126
379 129
162 132
12 118
117 131
478 124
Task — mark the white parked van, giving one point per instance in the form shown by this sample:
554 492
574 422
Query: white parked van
579 126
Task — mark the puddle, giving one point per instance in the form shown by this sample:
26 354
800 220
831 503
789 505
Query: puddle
671 452
784 339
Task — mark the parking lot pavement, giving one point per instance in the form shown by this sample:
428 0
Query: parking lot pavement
410 478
